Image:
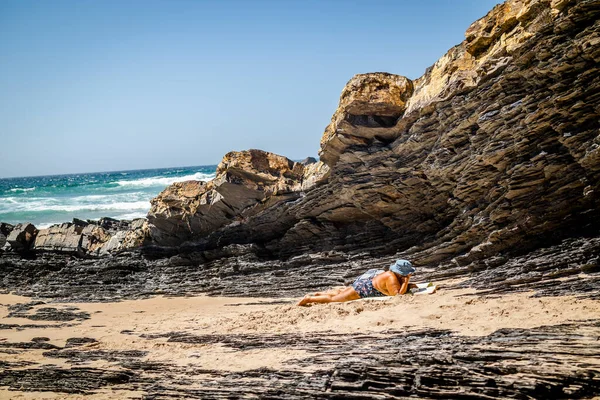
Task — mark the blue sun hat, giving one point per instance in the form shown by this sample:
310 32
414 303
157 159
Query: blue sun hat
402 267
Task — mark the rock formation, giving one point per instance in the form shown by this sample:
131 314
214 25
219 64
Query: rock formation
494 149
246 184
81 238
21 237
5 230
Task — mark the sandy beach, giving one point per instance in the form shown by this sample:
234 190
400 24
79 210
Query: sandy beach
142 328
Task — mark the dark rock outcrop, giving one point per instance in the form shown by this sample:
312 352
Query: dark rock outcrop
21 237
491 169
5 228
428 364
571 267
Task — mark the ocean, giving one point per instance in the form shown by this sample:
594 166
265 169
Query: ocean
48 200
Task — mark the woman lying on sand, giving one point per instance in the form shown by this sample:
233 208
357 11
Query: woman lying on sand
373 283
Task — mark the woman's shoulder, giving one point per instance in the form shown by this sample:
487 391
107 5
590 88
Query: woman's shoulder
384 274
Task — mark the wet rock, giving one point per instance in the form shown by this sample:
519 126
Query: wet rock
75 380
46 313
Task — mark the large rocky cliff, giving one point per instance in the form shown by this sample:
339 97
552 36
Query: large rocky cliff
494 151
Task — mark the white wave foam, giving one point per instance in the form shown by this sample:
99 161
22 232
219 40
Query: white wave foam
16 190
45 206
130 216
137 205
165 181
46 225
112 198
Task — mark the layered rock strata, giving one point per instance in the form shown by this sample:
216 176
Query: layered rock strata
21 237
494 149
246 184
93 238
428 364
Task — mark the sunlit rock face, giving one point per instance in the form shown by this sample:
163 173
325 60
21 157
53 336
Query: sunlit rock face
496 148
369 105
246 183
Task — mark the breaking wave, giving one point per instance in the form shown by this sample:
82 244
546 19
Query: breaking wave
165 181
47 200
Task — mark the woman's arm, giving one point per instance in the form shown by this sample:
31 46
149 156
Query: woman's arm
404 285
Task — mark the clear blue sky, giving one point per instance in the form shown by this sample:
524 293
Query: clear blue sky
90 86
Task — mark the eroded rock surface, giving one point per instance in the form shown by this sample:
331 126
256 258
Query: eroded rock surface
430 364
246 184
91 238
494 150
369 105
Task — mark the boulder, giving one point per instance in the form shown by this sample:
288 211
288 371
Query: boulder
115 243
93 238
21 237
308 160
112 225
79 222
65 238
138 234
370 104
5 228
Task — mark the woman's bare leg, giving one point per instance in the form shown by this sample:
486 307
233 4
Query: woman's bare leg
331 292
346 294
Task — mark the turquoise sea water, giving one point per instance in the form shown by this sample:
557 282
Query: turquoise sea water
47 200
